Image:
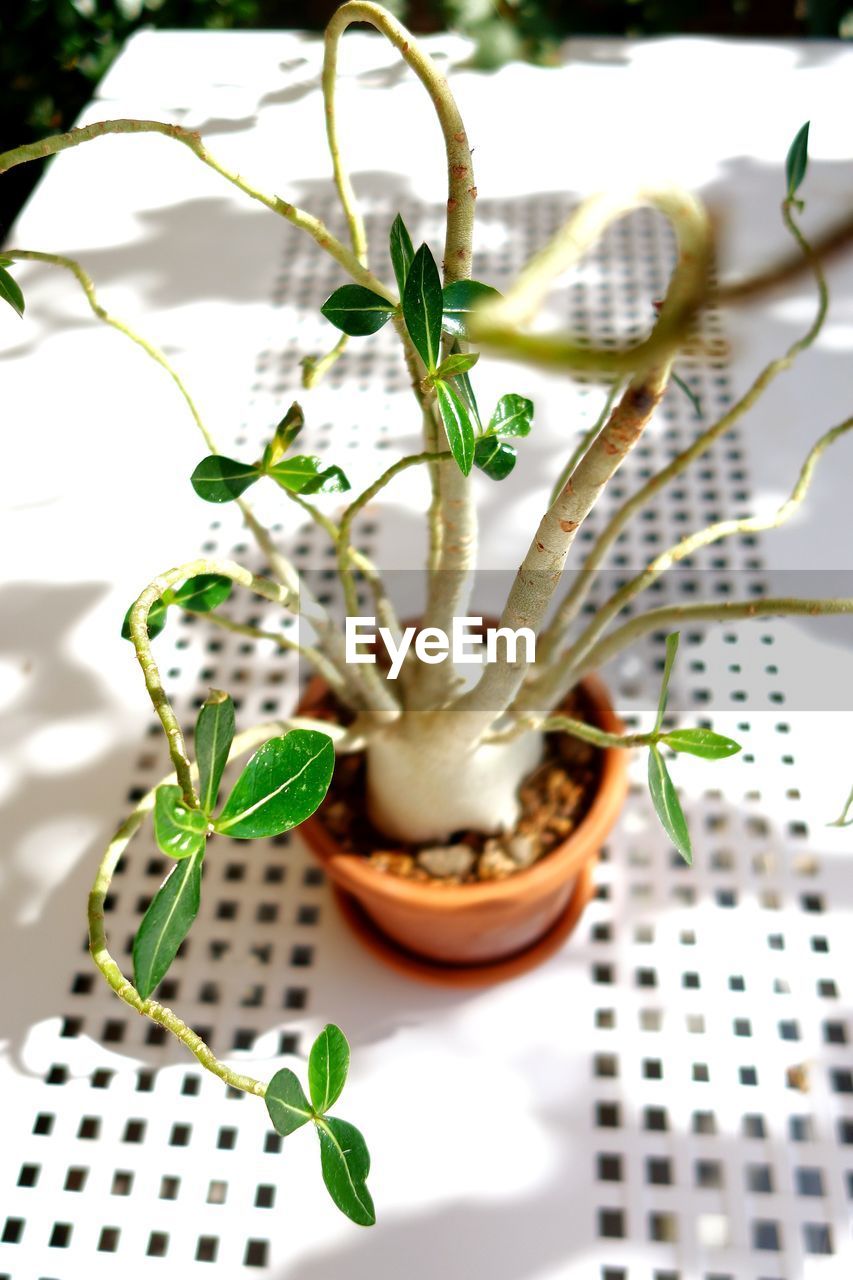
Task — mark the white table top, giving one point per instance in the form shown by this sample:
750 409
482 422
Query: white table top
479 1108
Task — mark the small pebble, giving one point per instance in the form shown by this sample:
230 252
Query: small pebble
395 864
442 861
523 850
495 863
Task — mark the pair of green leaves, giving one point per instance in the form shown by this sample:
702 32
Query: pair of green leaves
281 786
201 594
10 290
344 1157
696 742
221 479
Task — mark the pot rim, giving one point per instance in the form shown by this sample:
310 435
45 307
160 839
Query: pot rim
355 874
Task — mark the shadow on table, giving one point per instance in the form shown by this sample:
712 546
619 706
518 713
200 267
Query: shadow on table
58 805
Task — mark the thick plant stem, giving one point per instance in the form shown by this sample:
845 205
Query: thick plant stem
297 217
585 441
539 575
99 949
554 634
451 555
668 616
554 684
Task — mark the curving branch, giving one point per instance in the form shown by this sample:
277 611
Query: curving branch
190 138
496 326
539 575
554 634
552 685
668 616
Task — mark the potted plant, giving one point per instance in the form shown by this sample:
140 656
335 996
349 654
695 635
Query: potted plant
466 814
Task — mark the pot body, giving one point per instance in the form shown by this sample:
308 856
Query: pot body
480 924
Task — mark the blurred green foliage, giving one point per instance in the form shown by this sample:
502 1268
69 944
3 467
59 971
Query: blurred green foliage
53 52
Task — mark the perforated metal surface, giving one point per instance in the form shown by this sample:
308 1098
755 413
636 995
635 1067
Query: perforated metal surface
668 1099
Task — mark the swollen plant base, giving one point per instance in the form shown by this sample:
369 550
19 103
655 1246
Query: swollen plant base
492 929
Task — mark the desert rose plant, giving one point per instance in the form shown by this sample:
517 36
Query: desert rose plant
441 756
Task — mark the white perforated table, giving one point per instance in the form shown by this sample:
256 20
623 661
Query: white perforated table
625 1112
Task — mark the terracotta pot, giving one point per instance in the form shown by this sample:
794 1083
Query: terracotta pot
469 934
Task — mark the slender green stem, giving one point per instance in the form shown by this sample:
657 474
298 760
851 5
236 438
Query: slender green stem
298 598
99 949
576 729
138 622
315 368
88 287
317 659
297 217
669 616
357 560
348 518
844 819
553 635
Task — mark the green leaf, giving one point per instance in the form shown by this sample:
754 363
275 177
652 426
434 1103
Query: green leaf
303 474
459 362
202 593
166 923
512 416
422 304
402 252
180 832
332 480
328 1064
701 742
671 651
459 300
797 160
10 290
214 733
346 1163
284 435
668 806
218 479
457 424
156 618
356 310
280 787
493 457
286 1102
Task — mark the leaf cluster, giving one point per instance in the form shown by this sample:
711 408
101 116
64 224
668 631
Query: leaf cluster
221 479
281 786
344 1157
436 320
